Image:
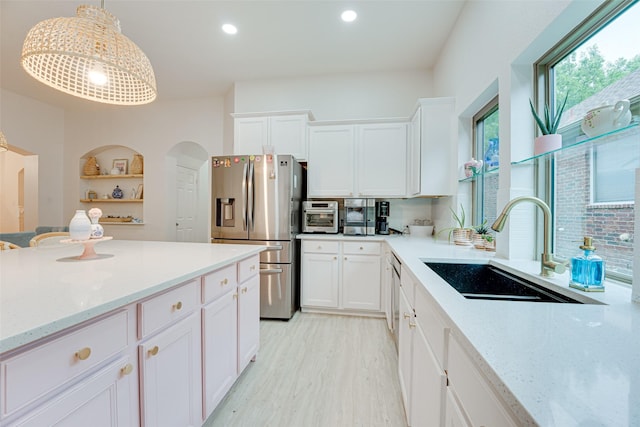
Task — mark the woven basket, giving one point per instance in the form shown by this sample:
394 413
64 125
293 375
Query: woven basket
91 167
137 164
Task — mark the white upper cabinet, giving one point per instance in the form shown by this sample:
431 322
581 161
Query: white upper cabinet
330 171
433 138
250 134
381 151
357 160
286 133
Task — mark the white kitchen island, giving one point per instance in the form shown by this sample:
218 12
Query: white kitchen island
81 339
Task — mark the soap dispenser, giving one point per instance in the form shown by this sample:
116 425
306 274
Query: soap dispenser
587 269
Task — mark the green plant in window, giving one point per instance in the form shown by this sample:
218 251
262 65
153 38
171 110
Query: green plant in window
481 229
460 221
547 123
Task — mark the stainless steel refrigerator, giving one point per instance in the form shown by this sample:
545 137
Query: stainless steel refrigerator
256 200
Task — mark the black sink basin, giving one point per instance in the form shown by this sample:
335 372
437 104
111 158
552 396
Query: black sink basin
484 281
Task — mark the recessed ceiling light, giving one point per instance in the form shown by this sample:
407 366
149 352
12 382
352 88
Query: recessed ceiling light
349 16
229 29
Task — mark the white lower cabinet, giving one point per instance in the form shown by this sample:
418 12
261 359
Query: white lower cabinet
423 380
320 279
479 403
428 386
220 348
361 277
454 417
104 399
248 321
405 351
170 376
341 275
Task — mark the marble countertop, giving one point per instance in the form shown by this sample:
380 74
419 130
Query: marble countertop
554 364
45 290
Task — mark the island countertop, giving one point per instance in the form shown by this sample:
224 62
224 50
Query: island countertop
45 290
557 365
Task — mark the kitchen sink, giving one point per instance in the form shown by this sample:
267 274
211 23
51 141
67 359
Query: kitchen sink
487 282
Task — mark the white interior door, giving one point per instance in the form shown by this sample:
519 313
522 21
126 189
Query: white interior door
186 188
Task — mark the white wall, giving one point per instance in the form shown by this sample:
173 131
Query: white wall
152 130
337 97
38 128
491 51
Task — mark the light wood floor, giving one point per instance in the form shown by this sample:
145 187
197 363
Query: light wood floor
318 371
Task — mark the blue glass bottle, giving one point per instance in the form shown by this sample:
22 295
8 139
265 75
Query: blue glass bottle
587 269
492 155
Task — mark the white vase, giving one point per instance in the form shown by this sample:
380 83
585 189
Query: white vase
97 230
80 226
545 143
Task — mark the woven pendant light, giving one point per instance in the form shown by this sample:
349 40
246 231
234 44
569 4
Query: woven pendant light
87 56
4 146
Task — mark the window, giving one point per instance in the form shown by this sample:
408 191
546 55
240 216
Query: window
486 148
591 190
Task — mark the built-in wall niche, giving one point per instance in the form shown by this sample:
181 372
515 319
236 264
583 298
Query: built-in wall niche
114 169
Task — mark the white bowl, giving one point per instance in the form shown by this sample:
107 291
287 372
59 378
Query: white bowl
420 230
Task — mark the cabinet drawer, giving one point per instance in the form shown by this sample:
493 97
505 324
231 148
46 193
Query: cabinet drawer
478 399
365 248
161 310
320 247
218 282
247 268
36 372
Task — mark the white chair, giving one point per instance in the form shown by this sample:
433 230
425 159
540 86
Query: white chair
49 239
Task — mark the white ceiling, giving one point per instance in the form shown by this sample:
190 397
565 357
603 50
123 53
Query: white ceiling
193 58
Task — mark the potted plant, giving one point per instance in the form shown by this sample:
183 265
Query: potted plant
461 234
479 232
548 125
490 243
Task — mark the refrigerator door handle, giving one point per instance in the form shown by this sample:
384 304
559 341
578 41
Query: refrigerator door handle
274 248
251 195
270 270
244 197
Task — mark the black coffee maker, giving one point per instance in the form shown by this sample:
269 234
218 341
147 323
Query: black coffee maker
382 213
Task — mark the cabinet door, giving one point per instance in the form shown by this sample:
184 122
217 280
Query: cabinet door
170 381
248 321
320 279
405 351
104 399
220 348
387 288
477 398
288 135
331 161
413 161
439 148
250 134
429 384
454 417
361 282
381 160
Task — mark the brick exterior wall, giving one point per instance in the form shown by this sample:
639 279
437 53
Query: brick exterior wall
576 217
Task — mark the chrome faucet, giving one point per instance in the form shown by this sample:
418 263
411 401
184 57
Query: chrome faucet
548 265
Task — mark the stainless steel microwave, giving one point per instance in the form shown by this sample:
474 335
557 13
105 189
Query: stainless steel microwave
320 217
